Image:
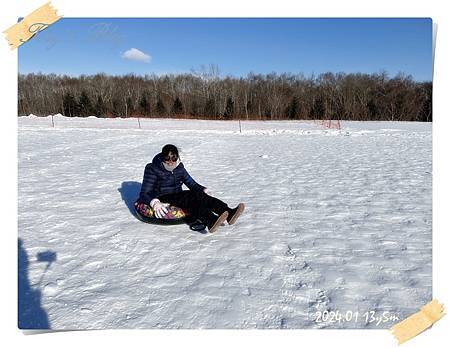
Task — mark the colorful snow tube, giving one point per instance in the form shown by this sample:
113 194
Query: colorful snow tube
176 215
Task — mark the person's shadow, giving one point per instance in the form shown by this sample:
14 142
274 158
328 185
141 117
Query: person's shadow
129 191
31 315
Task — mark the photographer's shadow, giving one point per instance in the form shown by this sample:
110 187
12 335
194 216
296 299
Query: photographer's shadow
31 313
129 191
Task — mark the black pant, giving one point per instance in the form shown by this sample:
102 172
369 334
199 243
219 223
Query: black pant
199 204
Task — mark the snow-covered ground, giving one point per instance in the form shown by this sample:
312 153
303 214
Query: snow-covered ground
335 221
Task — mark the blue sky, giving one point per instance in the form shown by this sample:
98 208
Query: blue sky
238 46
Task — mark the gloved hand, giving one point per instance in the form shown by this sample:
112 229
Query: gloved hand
160 209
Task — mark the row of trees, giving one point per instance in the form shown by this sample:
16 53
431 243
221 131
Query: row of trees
206 95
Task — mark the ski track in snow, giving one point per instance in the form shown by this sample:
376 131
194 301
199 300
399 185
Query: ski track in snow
334 220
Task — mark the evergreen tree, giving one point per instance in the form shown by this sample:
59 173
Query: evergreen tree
85 105
372 110
229 109
210 108
129 107
293 108
116 104
195 108
100 107
160 108
70 105
318 109
177 107
144 105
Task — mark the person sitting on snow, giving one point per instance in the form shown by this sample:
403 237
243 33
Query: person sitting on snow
162 187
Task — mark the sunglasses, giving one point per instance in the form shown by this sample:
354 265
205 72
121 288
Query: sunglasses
170 159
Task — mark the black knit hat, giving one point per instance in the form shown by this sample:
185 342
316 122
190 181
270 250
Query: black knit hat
169 153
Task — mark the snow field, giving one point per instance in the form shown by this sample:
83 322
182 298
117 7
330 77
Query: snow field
334 220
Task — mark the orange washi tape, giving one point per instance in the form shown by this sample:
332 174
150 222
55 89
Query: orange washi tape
418 322
29 26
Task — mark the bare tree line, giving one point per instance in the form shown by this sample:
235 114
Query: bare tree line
206 95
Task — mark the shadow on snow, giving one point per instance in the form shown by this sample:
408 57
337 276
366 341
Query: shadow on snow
129 191
31 314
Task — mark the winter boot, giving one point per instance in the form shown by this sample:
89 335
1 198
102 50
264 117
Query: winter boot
235 213
218 222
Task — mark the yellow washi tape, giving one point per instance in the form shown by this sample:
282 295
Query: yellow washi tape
418 322
36 21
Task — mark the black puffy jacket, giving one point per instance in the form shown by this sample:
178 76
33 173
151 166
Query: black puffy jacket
158 181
